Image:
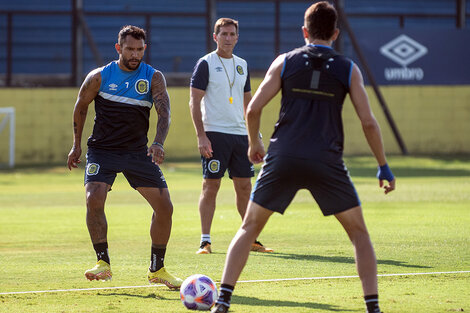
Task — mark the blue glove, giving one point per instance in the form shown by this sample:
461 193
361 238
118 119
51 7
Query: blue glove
384 173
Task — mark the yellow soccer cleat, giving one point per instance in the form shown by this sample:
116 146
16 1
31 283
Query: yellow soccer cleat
163 277
205 248
258 247
101 271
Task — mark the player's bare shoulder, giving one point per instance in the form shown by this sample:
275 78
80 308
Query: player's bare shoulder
278 63
94 77
158 82
91 85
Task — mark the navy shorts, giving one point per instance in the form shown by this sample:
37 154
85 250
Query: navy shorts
137 167
281 177
229 152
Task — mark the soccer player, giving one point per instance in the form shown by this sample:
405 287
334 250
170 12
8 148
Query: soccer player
124 92
307 146
219 93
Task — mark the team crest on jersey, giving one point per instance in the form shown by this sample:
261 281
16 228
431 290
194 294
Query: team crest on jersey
240 70
142 86
213 166
92 169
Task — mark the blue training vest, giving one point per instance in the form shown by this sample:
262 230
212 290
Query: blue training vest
122 108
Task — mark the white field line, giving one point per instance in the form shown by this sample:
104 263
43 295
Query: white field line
240 281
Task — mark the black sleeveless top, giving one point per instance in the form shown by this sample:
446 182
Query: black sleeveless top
315 81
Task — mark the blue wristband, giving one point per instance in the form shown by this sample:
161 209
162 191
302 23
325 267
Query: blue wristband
157 144
384 173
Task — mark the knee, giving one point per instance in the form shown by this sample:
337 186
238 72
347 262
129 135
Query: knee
359 236
251 225
163 209
168 209
96 195
94 201
210 187
244 188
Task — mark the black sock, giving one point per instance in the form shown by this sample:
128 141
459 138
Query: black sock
225 295
157 257
372 303
101 250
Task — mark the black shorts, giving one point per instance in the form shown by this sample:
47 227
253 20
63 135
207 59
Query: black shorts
282 176
229 152
137 167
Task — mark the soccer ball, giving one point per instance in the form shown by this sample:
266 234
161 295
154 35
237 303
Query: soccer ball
198 292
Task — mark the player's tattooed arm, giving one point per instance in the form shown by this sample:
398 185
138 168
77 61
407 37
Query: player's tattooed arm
162 106
88 91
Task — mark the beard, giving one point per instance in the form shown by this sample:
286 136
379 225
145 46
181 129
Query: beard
126 63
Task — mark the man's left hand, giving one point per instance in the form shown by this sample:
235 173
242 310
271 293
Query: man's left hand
157 153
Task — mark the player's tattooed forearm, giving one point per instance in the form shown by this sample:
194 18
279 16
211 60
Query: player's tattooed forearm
82 116
162 105
164 118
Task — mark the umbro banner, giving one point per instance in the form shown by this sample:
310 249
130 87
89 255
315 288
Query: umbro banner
416 57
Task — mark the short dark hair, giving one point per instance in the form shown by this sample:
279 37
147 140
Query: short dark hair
224 21
320 20
134 31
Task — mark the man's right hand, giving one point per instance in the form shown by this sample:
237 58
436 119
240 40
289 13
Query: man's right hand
74 157
205 146
256 151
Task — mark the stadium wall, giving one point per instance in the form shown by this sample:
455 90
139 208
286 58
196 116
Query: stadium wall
179 33
431 119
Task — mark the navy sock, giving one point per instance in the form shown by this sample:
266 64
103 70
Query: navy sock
372 303
157 257
101 250
225 295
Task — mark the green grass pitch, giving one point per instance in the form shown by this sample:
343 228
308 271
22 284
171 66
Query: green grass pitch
422 227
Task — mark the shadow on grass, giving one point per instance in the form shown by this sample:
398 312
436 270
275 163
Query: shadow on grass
142 296
287 304
244 300
336 259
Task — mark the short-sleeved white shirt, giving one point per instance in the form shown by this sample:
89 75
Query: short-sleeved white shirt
218 114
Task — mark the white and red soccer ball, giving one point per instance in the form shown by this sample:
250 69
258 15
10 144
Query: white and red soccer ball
198 292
